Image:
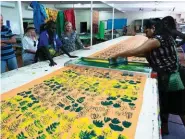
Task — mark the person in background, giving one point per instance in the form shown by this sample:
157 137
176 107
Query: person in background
170 25
124 30
130 31
8 58
160 52
29 43
70 39
49 44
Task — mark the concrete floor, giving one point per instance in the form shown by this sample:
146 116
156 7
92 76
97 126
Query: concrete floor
176 128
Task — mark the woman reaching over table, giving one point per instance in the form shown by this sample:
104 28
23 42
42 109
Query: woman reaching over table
160 52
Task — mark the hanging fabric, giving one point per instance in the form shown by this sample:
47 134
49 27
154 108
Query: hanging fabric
95 21
60 23
52 14
101 30
70 17
39 15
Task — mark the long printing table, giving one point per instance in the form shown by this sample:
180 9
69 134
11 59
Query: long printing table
148 125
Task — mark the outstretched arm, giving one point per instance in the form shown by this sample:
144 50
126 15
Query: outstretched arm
79 42
47 54
65 51
59 43
144 48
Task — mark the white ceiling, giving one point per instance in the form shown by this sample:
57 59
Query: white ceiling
176 6
122 6
78 5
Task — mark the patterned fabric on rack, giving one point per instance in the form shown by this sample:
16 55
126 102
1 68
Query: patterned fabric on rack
70 17
60 23
95 21
39 15
52 14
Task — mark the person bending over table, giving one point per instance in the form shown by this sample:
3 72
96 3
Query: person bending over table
70 39
160 52
49 44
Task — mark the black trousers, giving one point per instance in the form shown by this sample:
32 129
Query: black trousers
171 102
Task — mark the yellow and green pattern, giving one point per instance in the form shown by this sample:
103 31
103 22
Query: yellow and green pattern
74 103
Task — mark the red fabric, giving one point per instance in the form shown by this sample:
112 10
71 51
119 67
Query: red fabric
95 28
70 17
95 21
154 75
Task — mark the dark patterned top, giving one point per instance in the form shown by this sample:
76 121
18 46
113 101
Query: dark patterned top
69 42
164 58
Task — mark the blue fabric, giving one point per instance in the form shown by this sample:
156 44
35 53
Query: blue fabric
3 66
7 51
118 23
39 15
11 63
44 41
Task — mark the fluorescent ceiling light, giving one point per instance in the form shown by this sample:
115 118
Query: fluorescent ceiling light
78 4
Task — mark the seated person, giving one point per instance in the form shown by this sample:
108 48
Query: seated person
29 43
124 30
130 31
49 44
70 38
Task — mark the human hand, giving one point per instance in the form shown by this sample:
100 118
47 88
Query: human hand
2 44
112 61
2 41
122 60
52 63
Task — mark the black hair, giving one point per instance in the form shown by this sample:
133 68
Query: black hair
169 22
47 26
159 27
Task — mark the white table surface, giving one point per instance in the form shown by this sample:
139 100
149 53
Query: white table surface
148 127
